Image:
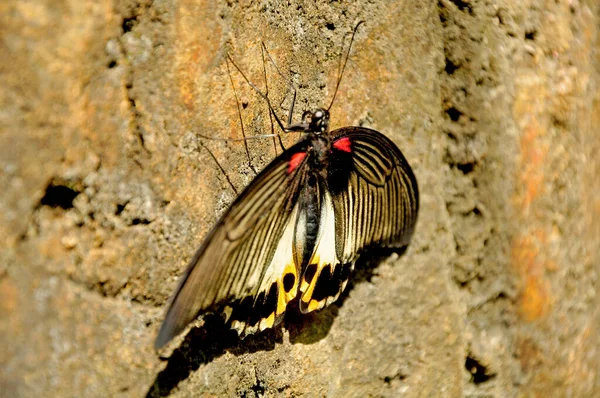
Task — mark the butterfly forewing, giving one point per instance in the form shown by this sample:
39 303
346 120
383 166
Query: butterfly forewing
379 202
236 259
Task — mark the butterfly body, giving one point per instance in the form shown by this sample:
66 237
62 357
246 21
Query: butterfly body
296 231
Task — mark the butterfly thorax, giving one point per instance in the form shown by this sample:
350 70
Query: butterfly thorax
318 150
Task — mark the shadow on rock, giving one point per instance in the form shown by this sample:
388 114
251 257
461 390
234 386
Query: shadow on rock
204 344
312 327
214 338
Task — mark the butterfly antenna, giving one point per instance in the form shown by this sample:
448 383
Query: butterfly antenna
291 85
262 53
221 168
343 66
237 103
258 92
250 137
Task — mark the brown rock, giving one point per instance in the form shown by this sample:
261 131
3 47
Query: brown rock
108 189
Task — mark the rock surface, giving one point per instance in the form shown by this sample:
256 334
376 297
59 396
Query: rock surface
109 187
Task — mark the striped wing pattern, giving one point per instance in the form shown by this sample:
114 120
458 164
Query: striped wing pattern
233 262
380 202
374 203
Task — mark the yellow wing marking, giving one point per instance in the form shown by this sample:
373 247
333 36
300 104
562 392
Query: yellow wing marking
284 273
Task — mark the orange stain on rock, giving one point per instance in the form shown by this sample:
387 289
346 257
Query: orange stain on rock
533 155
186 71
530 246
199 36
8 297
534 299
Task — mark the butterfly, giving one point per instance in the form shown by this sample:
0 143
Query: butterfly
297 230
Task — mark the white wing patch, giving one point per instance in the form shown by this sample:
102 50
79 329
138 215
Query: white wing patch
282 266
321 282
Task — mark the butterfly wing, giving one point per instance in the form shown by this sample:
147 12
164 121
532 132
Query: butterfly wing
371 199
248 258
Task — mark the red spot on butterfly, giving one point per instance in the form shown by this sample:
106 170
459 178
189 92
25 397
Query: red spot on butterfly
343 144
295 161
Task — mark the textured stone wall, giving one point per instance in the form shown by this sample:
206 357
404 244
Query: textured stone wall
108 189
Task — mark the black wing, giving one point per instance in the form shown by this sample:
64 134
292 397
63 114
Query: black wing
248 255
371 199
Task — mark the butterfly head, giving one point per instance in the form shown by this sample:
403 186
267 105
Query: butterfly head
316 121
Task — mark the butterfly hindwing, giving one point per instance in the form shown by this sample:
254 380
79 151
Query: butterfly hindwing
378 200
371 200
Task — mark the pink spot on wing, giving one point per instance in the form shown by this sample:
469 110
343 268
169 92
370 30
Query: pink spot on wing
295 161
343 144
